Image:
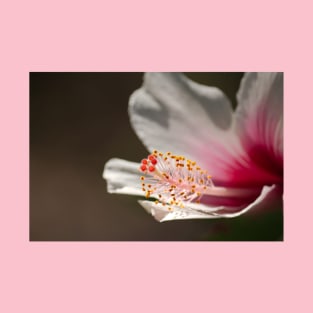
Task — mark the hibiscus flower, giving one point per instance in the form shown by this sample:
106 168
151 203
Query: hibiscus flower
206 160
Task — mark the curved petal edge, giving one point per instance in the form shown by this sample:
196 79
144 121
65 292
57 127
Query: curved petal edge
200 211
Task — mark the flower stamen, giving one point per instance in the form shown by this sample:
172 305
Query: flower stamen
173 179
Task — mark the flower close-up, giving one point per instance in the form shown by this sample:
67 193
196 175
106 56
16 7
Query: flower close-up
205 159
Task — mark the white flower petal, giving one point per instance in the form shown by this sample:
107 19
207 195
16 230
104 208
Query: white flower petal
176 90
122 177
259 115
200 211
261 89
172 113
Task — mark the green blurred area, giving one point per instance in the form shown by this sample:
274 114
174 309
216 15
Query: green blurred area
78 121
264 227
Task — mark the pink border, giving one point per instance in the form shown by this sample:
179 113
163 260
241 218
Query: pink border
155 277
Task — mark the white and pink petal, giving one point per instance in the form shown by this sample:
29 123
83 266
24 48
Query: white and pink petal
172 113
259 120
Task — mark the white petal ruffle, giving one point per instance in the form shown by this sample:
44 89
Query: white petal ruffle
172 113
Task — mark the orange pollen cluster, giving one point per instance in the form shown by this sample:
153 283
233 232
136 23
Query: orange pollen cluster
173 179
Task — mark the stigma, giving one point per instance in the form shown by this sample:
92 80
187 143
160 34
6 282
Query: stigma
173 179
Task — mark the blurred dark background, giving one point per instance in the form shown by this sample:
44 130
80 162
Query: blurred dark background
78 121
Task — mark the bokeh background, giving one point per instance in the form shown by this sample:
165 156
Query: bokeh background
78 121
